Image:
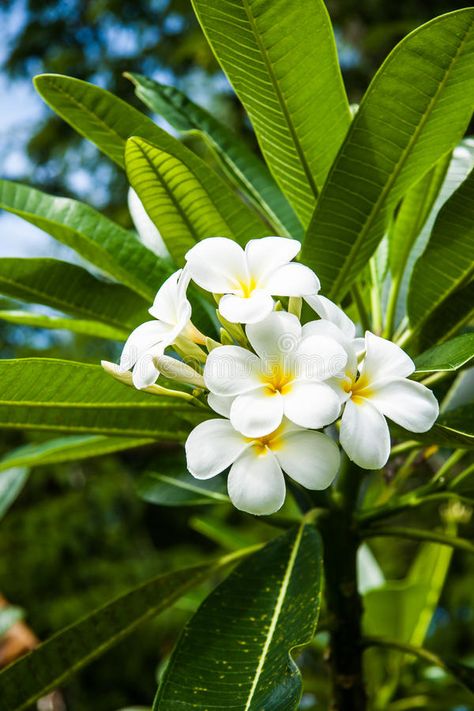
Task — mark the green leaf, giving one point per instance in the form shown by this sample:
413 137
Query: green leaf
85 328
172 487
64 654
449 318
237 648
415 110
71 289
174 198
63 396
447 263
67 449
12 482
108 122
454 428
242 165
281 59
105 244
413 213
447 357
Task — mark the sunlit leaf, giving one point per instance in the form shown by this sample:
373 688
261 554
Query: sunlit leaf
237 649
251 175
448 356
281 59
85 328
416 109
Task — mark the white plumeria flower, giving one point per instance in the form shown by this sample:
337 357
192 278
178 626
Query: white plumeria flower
256 483
172 312
380 389
146 229
282 378
249 278
327 309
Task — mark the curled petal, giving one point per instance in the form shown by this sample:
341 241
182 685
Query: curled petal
145 337
218 265
266 254
232 370
246 309
292 280
310 458
257 413
328 310
147 230
170 304
145 371
364 434
329 329
409 404
312 405
213 446
384 359
276 336
256 483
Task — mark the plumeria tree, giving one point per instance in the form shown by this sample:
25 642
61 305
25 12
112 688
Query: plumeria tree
306 346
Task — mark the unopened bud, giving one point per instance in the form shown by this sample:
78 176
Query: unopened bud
177 370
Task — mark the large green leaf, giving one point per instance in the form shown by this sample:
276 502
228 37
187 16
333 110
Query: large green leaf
447 263
449 318
281 59
63 396
448 356
454 428
85 328
67 449
71 289
114 250
236 650
415 111
12 482
175 199
108 122
64 654
241 163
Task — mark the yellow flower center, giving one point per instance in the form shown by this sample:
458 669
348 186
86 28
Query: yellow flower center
360 388
271 442
277 380
247 286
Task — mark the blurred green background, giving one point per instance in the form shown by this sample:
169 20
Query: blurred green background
78 534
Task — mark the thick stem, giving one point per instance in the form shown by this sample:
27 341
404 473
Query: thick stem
344 604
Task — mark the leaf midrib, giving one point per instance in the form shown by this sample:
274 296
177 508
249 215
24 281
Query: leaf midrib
342 276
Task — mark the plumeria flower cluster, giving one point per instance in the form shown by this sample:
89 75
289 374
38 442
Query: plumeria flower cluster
277 386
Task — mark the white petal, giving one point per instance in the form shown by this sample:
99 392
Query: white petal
257 413
145 372
217 264
246 309
232 370
327 309
256 483
409 404
291 280
313 405
310 458
326 328
170 304
384 359
266 254
145 337
147 230
364 434
213 446
276 336
319 358
220 404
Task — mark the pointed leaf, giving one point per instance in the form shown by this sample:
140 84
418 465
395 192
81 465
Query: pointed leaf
108 122
96 238
67 449
456 312
416 109
68 651
447 263
250 174
71 289
64 396
448 356
281 59
237 648
86 328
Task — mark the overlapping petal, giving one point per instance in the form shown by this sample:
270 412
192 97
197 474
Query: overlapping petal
213 446
276 337
384 359
256 483
292 280
409 404
218 265
312 405
232 370
310 458
266 254
257 413
246 309
364 434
